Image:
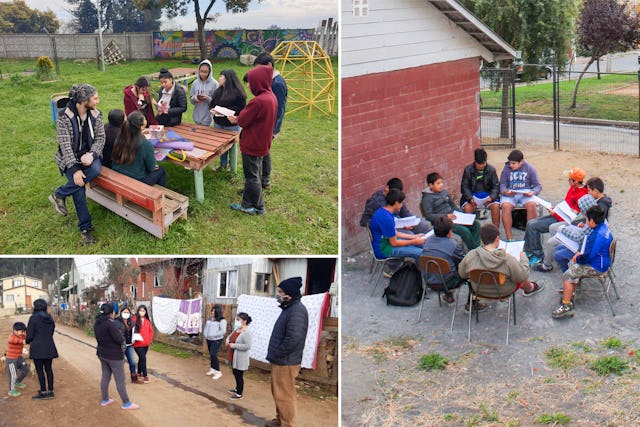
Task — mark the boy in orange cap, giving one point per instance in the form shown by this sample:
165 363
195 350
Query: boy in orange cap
535 228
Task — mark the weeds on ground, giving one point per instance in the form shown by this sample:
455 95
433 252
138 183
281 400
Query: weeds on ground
432 361
609 365
380 351
561 358
612 343
171 350
555 419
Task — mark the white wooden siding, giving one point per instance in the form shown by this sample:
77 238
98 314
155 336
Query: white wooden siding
400 34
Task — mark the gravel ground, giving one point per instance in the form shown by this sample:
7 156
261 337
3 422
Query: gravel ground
487 382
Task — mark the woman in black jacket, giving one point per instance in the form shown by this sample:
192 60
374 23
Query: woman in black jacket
43 349
110 351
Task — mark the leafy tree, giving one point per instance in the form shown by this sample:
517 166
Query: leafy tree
174 8
117 16
604 26
17 17
120 273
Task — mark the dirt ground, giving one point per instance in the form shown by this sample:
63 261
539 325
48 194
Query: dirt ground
179 394
486 382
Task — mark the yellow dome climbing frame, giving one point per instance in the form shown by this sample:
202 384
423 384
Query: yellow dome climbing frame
309 74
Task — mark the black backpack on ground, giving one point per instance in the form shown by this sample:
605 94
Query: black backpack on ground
405 286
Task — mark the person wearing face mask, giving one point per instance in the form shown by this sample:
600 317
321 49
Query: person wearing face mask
142 337
285 350
109 350
238 346
126 326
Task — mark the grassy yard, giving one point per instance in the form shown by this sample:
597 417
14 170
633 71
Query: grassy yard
614 97
302 207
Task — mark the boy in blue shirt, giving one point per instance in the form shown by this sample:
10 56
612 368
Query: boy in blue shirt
386 241
594 260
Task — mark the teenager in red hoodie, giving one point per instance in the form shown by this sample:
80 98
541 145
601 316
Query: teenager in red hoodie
256 120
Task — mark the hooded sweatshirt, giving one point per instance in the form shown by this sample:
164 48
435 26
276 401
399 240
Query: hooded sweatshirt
259 116
435 205
131 104
109 337
497 260
40 336
525 178
201 114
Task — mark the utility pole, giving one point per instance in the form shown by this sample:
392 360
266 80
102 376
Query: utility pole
100 35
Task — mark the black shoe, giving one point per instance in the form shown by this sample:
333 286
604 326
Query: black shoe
541 266
50 394
232 391
477 306
42 395
267 186
87 237
235 396
59 204
261 211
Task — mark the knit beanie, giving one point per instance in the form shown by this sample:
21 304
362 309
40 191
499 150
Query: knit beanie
291 286
81 92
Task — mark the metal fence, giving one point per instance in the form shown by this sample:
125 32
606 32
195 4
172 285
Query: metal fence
605 117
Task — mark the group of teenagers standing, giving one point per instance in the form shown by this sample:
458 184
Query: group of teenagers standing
518 186
86 143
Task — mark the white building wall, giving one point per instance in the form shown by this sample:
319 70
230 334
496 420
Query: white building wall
293 267
400 34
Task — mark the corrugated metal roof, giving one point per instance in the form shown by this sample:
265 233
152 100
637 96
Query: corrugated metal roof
475 28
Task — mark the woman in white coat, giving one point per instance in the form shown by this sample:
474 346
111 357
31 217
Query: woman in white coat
239 344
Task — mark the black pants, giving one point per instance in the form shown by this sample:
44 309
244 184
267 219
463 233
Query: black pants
252 194
44 366
214 347
142 360
266 170
158 176
237 373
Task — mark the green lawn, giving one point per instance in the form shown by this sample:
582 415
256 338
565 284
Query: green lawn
614 97
302 207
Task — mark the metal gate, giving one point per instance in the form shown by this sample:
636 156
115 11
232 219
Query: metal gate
497 107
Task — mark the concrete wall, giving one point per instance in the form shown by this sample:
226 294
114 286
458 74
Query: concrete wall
405 123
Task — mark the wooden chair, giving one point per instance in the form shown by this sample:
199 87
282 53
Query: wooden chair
440 267
379 263
605 278
491 285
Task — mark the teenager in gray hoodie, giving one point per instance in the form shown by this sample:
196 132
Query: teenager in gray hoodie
202 90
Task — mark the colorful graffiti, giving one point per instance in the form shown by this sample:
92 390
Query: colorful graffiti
224 44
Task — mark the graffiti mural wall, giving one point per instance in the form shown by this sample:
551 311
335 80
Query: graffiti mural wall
224 44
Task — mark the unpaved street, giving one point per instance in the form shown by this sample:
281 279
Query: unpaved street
178 394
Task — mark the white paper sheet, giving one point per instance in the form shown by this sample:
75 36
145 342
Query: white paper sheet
464 218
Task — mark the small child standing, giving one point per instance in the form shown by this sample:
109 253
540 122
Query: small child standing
17 368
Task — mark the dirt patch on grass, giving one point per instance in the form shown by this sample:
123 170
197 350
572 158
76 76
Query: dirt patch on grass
630 89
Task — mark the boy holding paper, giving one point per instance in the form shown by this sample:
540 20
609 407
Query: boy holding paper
593 260
535 227
480 182
436 202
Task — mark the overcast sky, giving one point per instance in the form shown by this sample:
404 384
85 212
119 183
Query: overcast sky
283 13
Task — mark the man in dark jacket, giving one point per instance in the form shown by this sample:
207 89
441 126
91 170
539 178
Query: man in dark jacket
285 351
279 89
480 182
42 348
256 120
172 102
80 143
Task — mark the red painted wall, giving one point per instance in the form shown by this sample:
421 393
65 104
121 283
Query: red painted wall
405 123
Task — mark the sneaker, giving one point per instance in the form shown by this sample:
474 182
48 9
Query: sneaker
533 260
20 385
59 204
261 211
42 395
238 207
130 406
14 393
477 306
536 288
447 299
50 394
106 402
541 266
87 237
217 375
235 396
211 372
232 391
145 380
565 310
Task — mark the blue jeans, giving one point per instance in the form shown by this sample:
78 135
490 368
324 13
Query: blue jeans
562 257
224 159
413 251
79 194
252 194
533 235
130 358
214 347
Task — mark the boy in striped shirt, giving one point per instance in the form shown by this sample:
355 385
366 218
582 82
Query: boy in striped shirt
17 368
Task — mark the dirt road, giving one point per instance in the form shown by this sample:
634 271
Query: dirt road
178 393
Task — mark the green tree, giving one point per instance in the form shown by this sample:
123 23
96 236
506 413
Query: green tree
604 26
174 8
17 17
117 16
119 272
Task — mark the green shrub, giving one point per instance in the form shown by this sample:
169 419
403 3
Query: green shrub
610 365
44 68
561 358
555 419
612 343
432 361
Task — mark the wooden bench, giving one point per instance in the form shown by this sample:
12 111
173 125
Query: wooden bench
153 209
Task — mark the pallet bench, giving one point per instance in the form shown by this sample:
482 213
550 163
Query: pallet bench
153 209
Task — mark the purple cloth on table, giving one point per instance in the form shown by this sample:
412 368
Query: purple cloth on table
174 141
